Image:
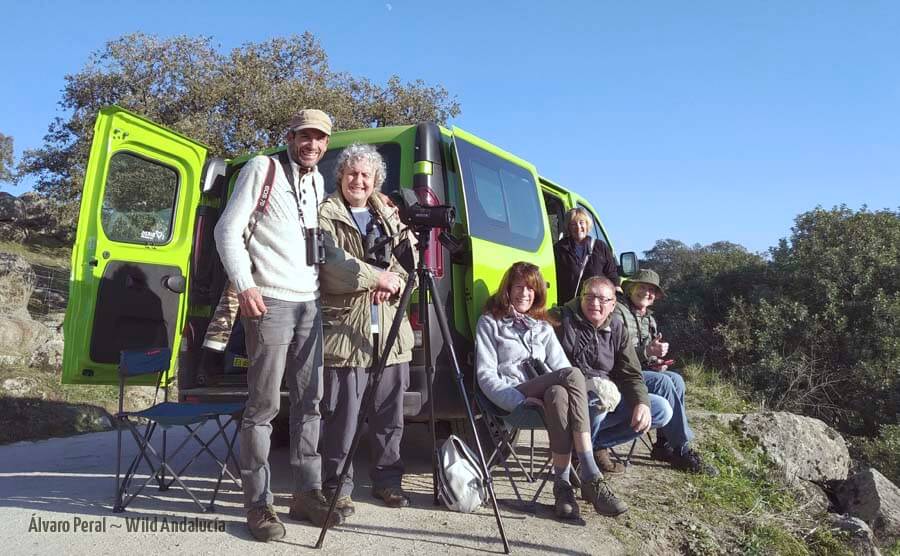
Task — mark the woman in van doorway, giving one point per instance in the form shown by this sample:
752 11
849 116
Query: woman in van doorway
580 256
360 286
520 363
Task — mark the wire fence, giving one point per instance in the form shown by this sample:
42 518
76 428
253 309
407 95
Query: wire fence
51 291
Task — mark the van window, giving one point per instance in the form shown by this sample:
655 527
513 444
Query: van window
139 200
390 152
556 215
501 199
596 231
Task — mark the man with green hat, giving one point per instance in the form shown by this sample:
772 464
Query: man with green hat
673 440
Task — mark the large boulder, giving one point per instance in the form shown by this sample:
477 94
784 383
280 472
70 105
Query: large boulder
859 535
871 497
17 281
802 447
12 209
20 338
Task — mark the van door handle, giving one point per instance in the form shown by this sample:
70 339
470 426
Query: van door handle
175 284
93 262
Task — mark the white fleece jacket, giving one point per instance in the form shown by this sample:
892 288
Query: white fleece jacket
276 251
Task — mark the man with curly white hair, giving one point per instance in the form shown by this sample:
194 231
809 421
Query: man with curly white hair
360 285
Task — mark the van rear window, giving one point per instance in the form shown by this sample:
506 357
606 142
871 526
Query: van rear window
138 200
501 199
390 152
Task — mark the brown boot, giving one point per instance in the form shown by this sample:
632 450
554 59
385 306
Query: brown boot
312 505
393 497
606 464
264 524
344 504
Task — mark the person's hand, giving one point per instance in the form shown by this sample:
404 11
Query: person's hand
640 418
380 296
537 402
389 281
657 347
251 303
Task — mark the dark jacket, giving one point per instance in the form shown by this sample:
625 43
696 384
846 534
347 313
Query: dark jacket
600 263
604 351
641 328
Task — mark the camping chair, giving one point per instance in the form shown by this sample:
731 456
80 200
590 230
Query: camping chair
626 460
191 416
504 428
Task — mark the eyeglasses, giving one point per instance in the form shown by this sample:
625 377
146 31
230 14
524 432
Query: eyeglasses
591 298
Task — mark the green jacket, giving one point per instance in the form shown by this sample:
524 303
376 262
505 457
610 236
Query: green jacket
346 283
641 328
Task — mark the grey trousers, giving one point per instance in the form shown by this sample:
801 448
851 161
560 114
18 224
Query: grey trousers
565 405
344 390
286 342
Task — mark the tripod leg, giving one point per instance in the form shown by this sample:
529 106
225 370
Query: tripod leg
429 380
369 399
428 281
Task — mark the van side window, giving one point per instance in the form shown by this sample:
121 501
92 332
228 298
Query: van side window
501 199
390 152
139 200
556 215
596 231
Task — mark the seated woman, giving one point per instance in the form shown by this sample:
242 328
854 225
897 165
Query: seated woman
579 256
359 286
511 334
672 440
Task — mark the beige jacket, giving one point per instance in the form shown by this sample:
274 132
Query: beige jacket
346 285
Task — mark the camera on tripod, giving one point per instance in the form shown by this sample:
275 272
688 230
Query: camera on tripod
421 217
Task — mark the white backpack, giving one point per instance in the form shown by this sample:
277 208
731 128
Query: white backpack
460 480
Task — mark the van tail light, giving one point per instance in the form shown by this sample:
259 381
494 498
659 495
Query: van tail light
434 255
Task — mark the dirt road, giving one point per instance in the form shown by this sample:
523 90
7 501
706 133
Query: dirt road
56 495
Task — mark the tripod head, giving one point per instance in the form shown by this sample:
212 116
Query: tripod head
425 222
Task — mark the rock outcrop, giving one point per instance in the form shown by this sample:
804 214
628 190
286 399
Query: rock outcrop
871 497
859 535
31 216
803 447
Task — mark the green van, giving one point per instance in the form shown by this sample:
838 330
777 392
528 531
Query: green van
145 271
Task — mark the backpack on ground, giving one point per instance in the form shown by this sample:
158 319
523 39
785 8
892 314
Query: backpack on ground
460 480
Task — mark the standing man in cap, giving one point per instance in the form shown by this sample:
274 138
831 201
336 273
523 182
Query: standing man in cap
264 238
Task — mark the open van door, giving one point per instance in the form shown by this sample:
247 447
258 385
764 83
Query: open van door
505 218
130 258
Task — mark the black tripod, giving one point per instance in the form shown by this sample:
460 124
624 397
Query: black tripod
427 289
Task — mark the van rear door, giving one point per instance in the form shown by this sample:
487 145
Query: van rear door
505 218
130 258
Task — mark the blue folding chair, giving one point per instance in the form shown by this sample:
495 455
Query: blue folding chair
504 427
191 416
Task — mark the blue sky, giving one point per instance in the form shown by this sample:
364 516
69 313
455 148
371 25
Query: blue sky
697 121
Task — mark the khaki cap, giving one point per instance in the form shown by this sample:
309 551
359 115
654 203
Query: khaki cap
644 276
310 118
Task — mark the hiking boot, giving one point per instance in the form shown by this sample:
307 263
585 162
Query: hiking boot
565 506
597 492
690 461
264 524
344 504
662 451
393 497
312 505
606 463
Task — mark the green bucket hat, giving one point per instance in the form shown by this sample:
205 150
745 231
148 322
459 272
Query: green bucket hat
644 276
